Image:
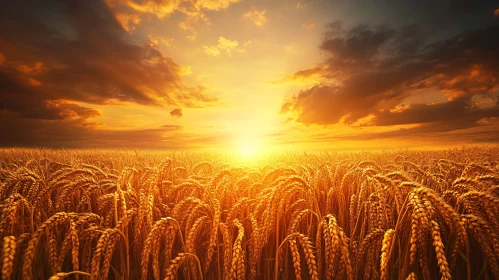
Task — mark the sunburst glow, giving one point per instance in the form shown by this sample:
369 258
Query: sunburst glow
249 146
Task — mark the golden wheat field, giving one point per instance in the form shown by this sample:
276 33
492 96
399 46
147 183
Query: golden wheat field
144 215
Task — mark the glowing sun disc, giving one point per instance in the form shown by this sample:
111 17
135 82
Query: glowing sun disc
248 147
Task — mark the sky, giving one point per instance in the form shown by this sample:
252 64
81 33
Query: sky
266 75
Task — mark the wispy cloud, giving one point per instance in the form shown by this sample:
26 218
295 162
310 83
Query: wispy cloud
155 41
211 50
301 5
258 17
225 46
309 25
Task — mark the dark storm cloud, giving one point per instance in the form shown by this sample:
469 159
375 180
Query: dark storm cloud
370 70
18 95
76 50
54 54
443 15
443 8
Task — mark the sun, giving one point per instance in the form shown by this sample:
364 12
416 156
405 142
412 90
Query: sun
249 146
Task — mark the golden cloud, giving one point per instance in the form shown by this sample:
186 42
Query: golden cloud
127 12
224 45
159 8
256 16
213 51
128 21
213 5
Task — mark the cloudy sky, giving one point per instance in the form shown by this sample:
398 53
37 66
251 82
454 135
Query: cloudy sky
280 74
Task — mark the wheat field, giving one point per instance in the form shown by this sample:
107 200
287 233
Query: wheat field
145 215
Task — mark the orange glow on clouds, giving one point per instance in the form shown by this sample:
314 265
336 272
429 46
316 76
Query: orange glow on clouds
248 77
